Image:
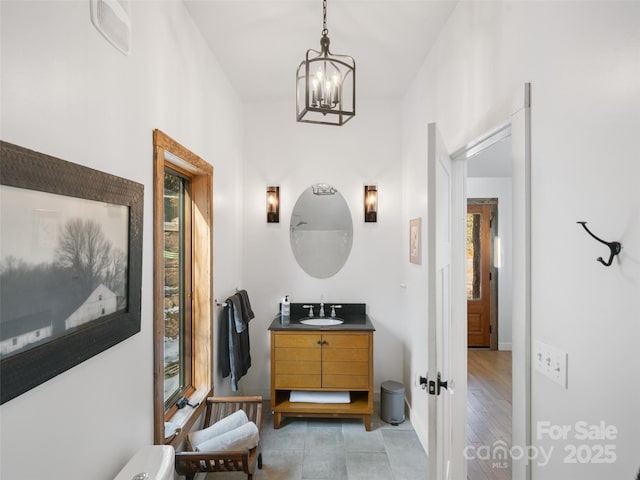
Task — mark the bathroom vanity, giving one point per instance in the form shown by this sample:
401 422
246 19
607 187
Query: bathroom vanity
317 358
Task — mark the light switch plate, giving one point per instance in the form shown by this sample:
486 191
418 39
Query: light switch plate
551 362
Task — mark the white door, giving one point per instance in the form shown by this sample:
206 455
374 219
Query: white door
446 420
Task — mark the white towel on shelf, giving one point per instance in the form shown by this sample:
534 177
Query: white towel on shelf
244 437
319 397
231 422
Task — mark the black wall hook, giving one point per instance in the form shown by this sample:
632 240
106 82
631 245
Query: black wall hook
615 247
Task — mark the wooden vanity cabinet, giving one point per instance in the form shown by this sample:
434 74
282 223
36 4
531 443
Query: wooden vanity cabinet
322 361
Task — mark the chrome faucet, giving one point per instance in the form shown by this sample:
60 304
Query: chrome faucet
321 312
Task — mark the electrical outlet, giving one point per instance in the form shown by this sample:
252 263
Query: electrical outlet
551 362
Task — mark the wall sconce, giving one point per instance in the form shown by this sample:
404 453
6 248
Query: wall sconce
273 204
370 203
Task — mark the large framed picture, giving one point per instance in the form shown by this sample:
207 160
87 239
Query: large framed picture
70 265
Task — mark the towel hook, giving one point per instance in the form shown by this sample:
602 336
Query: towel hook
614 247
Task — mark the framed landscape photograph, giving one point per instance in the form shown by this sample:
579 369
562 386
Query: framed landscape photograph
70 265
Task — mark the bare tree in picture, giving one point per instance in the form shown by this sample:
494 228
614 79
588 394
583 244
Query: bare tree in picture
84 248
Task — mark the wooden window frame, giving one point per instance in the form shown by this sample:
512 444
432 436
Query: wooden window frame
168 153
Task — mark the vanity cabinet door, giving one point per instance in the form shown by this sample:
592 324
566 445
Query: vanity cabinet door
345 361
297 361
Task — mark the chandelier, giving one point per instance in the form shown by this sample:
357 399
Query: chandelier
325 84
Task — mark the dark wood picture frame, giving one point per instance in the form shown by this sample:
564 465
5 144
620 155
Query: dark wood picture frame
27 169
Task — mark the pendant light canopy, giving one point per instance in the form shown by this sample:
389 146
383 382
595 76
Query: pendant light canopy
326 84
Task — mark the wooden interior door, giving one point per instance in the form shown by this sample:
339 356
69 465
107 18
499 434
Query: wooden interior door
479 275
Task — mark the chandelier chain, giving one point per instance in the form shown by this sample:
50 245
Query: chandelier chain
325 32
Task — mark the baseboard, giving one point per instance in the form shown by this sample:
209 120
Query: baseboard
419 425
504 346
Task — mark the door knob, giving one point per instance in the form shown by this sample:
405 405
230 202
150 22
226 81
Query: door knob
434 387
441 384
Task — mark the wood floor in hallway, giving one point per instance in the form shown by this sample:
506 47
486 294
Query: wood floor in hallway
489 415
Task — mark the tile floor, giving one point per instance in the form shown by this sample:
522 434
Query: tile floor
317 449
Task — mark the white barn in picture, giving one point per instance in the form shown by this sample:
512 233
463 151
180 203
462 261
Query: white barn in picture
101 302
18 333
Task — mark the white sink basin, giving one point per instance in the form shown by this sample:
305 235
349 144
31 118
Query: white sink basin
151 462
322 322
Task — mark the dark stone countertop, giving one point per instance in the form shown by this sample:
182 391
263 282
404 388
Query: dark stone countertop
354 316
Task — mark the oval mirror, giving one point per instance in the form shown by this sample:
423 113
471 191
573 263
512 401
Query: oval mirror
321 231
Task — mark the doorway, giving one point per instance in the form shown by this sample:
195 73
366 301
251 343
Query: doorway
482 275
447 413
489 378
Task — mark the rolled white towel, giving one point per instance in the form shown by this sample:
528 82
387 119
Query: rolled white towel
241 438
319 397
228 423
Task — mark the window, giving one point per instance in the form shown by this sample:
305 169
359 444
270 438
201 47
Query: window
182 285
474 253
177 287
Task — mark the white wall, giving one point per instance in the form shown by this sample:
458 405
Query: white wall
68 93
280 151
499 188
414 201
582 60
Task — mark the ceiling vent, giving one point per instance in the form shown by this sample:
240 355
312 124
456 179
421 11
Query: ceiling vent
113 21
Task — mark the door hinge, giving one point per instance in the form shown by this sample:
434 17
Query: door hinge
490 276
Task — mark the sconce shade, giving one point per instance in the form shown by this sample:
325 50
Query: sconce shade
370 203
273 204
325 84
